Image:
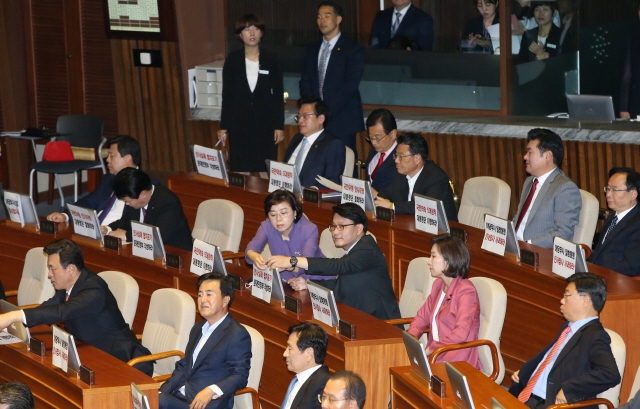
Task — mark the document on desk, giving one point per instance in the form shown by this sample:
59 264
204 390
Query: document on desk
6 338
10 134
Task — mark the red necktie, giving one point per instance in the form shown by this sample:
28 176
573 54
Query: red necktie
373 174
527 203
526 392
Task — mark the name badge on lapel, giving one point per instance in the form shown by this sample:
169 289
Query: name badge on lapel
551 46
267 72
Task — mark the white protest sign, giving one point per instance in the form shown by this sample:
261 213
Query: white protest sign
142 236
495 234
60 349
320 304
426 214
138 399
353 191
83 222
262 284
202 257
565 257
208 161
280 176
14 207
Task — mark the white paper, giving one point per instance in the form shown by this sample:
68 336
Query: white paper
14 206
6 338
208 161
60 349
495 234
202 257
262 284
494 32
564 257
142 241
320 304
353 191
426 215
280 176
326 182
83 223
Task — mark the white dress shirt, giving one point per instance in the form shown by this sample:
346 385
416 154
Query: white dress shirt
523 224
311 139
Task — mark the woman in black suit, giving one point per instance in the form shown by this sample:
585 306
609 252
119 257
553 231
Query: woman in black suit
252 100
543 41
476 32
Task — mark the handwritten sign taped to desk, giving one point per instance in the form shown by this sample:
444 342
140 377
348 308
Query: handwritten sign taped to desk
84 223
60 349
353 191
142 236
280 176
426 214
262 284
202 257
14 207
208 161
495 234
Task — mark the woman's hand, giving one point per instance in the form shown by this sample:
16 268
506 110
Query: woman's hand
473 40
257 260
537 48
222 136
278 136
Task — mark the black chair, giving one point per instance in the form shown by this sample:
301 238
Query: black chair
83 131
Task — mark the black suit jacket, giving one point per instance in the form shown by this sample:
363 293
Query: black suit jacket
432 182
584 368
326 158
224 360
164 211
621 249
91 315
386 172
99 198
307 396
476 26
552 46
416 25
630 87
340 87
363 282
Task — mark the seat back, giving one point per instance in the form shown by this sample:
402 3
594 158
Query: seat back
493 306
484 194
636 384
417 287
125 290
349 162
619 350
586 228
255 372
328 248
219 222
35 286
84 130
171 315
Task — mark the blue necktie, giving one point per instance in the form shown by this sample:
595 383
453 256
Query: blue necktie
289 390
300 157
395 25
611 227
322 65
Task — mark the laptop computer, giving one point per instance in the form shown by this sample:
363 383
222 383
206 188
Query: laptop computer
596 107
460 387
17 329
417 356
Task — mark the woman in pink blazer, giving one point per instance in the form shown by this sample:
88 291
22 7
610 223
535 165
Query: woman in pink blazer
452 310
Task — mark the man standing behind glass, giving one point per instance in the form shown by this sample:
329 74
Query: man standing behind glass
403 19
333 68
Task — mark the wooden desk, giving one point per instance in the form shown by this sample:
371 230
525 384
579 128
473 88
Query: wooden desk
52 388
378 345
409 390
533 293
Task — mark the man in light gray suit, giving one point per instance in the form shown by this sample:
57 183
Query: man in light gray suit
550 203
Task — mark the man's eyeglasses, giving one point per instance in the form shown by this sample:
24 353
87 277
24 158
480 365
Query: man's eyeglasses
331 400
396 156
303 116
339 227
570 295
375 138
611 189
283 215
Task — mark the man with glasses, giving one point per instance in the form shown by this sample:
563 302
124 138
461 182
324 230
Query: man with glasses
579 363
314 151
618 247
382 133
416 174
344 390
363 280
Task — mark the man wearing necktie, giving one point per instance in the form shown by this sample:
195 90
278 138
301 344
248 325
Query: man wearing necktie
333 68
403 19
579 363
218 355
618 246
382 133
304 354
550 203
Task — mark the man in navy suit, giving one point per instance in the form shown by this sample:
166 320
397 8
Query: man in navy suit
315 151
333 68
619 241
380 165
124 152
218 354
403 19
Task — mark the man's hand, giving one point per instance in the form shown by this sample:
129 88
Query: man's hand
119 233
625 115
222 136
298 283
278 136
279 262
560 398
515 377
383 203
9 318
57 217
202 399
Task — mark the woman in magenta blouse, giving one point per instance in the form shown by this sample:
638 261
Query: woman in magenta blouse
287 232
452 310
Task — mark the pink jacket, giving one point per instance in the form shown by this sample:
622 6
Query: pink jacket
458 320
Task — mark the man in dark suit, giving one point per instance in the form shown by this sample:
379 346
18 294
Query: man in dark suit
363 278
152 204
305 352
416 174
380 166
314 150
333 68
403 19
619 241
84 303
218 355
124 152
579 363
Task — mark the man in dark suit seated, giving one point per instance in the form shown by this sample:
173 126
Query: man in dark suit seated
218 355
84 303
314 151
124 152
618 246
380 166
579 363
150 203
305 352
403 19
363 278
344 390
416 174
